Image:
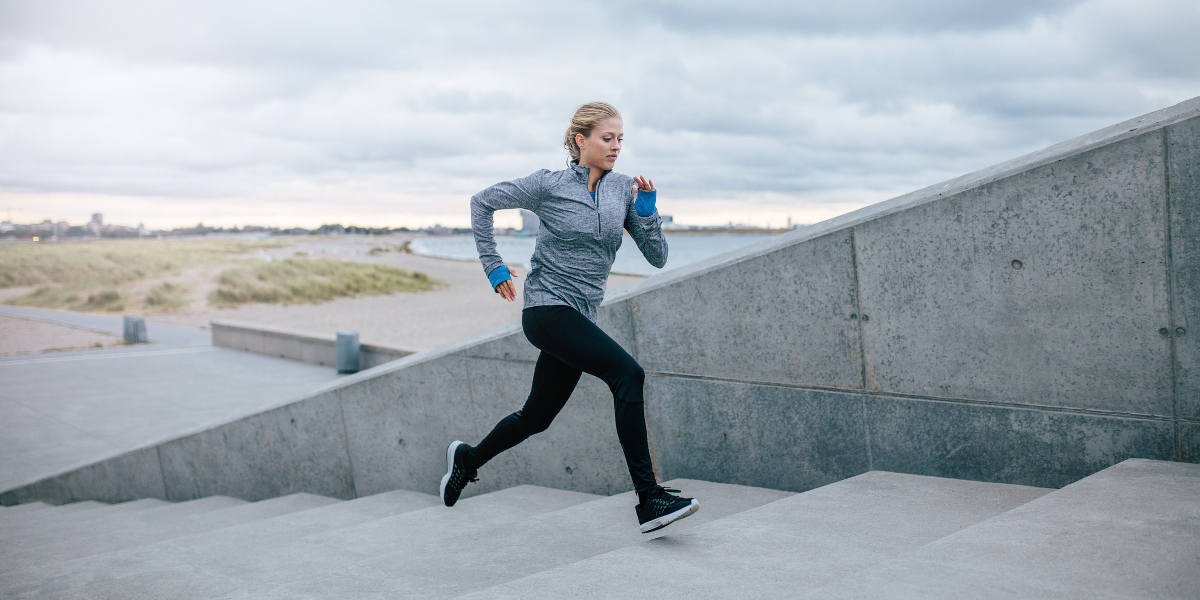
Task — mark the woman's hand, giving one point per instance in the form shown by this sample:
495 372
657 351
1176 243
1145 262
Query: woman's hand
507 290
643 184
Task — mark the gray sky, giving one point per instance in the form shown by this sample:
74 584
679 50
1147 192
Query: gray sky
382 113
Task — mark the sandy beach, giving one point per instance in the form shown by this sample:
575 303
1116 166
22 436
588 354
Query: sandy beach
463 306
30 336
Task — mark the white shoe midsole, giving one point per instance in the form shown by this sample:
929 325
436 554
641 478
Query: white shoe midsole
665 520
449 468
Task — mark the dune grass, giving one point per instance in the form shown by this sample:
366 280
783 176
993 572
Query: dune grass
98 276
303 281
131 275
166 296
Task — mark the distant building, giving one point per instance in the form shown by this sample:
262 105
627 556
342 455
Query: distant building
96 225
529 223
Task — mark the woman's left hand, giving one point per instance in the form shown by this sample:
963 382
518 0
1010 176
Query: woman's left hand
643 184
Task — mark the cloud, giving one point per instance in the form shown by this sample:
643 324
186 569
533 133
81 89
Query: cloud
297 112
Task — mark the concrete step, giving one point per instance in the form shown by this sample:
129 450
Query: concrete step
1129 531
138 505
227 550
276 564
74 507
38 514
49 525
454 562
782 548
150 526
174 511
24 508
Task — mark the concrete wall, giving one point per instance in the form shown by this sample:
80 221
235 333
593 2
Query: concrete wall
1030 323
295 345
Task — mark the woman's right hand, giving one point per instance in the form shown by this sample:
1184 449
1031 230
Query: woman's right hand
507 290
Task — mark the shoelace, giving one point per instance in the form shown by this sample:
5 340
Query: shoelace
458 481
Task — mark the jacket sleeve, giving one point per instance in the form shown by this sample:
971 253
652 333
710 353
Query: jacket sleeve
519 193
646 233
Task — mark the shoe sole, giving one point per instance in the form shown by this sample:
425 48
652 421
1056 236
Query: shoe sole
449 468
665 520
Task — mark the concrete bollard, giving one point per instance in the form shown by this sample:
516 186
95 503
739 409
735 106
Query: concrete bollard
347 351
135 330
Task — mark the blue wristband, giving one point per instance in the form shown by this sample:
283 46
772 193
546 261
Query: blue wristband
498 276
644 205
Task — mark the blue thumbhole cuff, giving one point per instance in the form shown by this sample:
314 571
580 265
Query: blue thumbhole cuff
644 205
499 275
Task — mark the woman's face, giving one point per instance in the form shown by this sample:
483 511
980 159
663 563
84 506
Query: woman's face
600 149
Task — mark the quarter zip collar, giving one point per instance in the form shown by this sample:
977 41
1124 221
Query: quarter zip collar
584 172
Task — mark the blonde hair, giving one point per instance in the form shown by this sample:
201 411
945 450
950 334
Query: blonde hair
585 120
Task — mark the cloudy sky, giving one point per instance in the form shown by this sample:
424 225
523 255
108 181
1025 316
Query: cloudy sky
386 113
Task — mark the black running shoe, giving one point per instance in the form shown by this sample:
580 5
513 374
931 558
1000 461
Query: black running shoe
457 476
661 509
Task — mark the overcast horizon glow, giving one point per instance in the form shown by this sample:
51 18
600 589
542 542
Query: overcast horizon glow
387 114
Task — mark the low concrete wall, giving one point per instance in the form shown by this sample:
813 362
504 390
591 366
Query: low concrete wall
1031 323
295 345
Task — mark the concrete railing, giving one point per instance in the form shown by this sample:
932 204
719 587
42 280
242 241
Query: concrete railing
295 345
1030 323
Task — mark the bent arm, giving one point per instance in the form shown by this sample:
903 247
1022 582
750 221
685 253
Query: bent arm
646 230
519 193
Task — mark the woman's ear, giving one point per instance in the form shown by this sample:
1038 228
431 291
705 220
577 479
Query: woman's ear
580 140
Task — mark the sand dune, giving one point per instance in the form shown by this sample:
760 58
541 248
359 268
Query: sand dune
464 306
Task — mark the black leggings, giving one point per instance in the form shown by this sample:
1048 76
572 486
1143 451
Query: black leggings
572 345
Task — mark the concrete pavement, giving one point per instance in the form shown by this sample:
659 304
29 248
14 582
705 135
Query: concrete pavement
62 410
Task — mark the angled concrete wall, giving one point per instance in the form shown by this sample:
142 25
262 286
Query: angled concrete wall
297 345
1030 323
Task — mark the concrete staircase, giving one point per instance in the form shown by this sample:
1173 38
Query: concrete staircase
1132 530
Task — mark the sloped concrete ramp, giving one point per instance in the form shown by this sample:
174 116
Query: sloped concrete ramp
1031 323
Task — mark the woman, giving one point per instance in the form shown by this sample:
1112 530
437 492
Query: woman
583 209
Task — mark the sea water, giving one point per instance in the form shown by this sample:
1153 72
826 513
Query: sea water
682 249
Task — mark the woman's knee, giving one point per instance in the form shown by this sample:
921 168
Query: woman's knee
530 424
634 374
628 383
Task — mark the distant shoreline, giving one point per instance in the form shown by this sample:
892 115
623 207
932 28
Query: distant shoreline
726 230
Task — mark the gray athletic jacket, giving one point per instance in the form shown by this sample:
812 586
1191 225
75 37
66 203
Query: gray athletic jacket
579 237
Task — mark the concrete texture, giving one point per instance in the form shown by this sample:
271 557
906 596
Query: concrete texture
259 547
168 569
580 452
765 436
456 562
1183 164
297 345
783 548
784 317
294 448
911 313
1076 326
1131 531
107 535
92 414
1005 443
